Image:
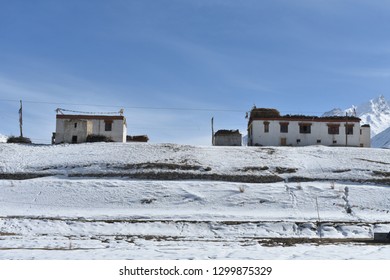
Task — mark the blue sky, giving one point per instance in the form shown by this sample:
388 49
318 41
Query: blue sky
174 64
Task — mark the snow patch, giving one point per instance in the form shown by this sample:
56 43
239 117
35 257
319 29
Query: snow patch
3 139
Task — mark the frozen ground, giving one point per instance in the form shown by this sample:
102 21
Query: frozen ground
129 201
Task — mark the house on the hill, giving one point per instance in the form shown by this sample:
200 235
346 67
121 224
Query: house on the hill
266 127
76 128
227 138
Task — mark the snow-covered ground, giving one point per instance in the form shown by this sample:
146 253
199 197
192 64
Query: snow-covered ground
117 159
129 201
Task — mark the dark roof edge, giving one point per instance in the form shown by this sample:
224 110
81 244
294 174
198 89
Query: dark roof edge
227 132
90 117
308 118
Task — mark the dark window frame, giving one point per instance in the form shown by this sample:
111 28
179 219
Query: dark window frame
305 128
284 127
333 129
107 125
349 129
266 127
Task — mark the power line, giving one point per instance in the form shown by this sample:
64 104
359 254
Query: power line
128 107
151 108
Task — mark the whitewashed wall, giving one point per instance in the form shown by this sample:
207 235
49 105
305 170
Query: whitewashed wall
65 129
117 134
365 137
228 140
319 131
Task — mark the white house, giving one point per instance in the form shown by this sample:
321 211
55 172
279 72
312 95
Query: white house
76 128
266 127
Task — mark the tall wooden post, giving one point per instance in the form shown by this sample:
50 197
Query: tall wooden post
212 131
21 119
346 129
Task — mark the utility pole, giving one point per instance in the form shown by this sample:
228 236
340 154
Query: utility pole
21 119
212 131
346 130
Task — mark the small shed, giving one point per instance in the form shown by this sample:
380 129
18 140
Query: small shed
137 138
225 137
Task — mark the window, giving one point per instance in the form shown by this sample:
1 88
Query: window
349 129
283 127
108 125
318 141
334 141
75 125
266 127
305 128
333 129
298 140
74 139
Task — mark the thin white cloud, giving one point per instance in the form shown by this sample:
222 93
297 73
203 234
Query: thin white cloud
366 72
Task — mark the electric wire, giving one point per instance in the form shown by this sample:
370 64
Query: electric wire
149 107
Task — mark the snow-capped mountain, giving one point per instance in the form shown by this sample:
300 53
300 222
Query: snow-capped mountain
335 112
376 113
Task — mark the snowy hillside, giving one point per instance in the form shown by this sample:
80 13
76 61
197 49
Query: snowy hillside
382 139
166 201
376 113
170 161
